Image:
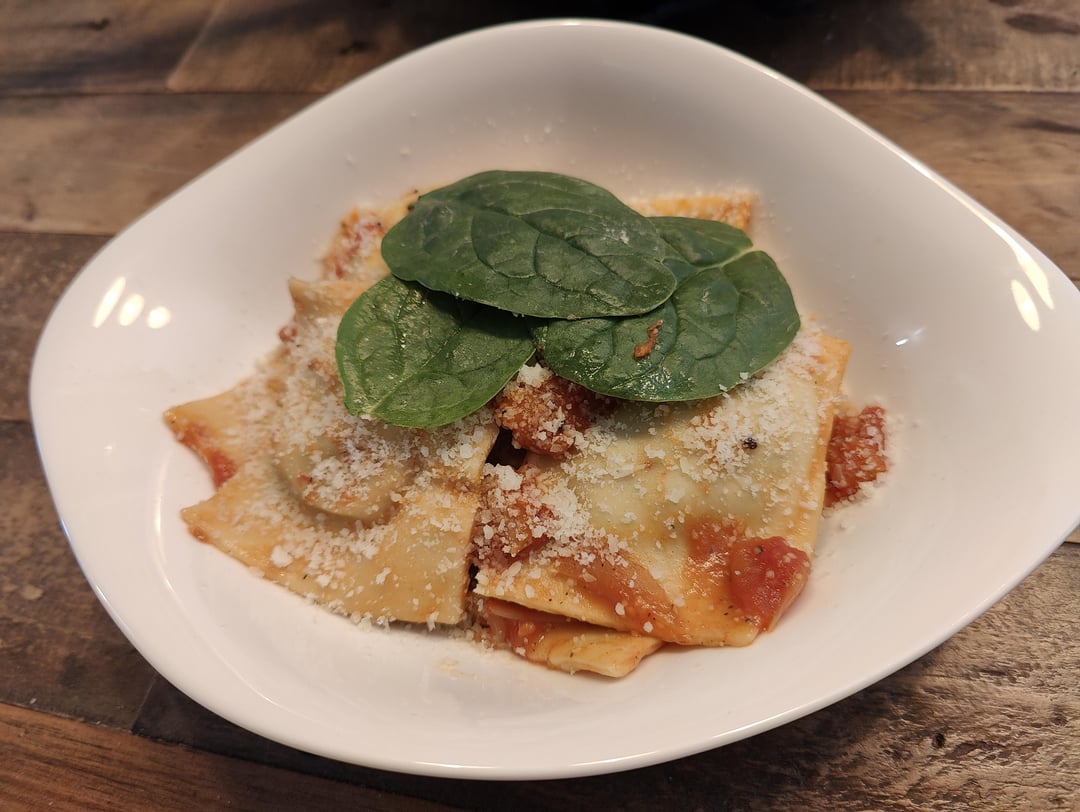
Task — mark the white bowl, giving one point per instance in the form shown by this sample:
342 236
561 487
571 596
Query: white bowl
964 330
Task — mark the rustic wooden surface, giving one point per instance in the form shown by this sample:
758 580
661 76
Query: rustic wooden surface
106 106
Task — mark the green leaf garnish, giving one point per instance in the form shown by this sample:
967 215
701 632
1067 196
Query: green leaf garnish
731 315
695 245
417 358
649 309
619 357
534 243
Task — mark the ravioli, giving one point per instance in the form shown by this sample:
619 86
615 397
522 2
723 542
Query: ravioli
620 527
370 520
563 643
693 522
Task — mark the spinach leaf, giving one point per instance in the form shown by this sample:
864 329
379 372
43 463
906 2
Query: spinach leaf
418 358
730 316
660 309
532 243
698 244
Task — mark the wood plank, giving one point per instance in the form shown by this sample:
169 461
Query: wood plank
102 46
34 270
917 44
992 715
274 45
92 164
904 739
59 650
318 45
108 46
57 763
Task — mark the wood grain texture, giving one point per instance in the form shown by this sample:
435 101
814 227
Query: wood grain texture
92 164
101 46
123 46
59 651
34 270
913 44
316 46
60 764
279 45
989 719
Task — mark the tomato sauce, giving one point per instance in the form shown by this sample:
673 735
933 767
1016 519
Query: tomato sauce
856 453
196 437
547 417
761 577
639 601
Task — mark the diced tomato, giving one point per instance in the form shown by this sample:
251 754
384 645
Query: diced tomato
856 453
759 576
766 576
547 418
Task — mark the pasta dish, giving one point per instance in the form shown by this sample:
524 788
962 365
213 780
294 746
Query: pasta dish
567 522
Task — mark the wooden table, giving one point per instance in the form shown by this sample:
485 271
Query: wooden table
106 106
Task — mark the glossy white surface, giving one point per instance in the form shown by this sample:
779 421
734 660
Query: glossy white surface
959 326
